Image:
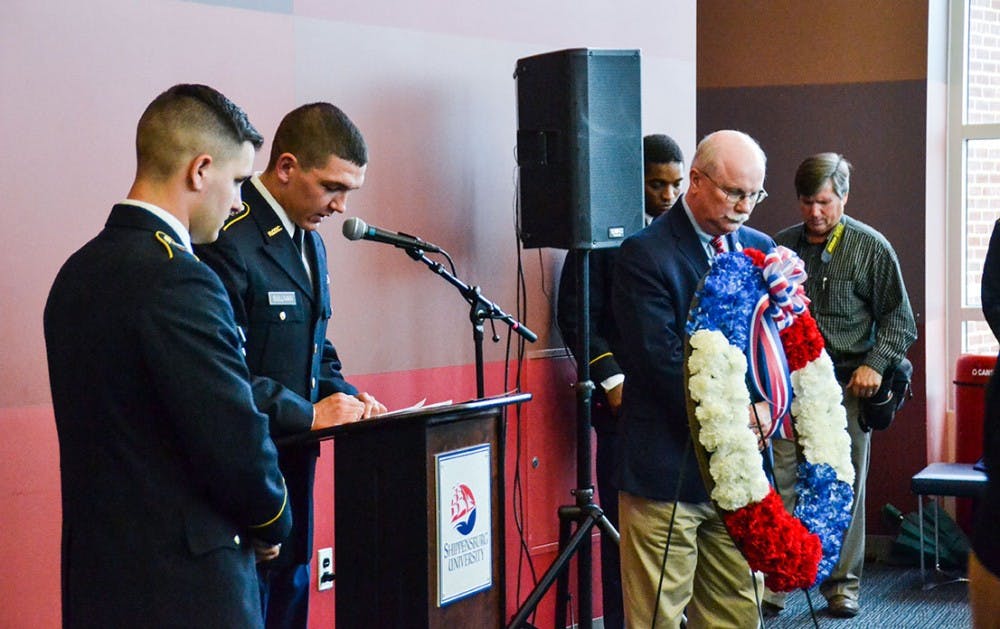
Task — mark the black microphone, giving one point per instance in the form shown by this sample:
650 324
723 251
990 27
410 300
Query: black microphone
357 229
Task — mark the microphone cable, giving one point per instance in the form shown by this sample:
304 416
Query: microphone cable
760 441
517 490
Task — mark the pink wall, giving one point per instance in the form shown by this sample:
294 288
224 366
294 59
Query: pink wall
431 87
29 483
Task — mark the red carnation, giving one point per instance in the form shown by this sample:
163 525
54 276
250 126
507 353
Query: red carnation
802 342
775 543
756 256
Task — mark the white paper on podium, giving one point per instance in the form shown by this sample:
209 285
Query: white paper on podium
419 405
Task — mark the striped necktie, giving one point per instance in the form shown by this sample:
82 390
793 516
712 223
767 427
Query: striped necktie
719 245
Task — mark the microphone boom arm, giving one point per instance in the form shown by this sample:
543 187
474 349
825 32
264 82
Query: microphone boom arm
482 309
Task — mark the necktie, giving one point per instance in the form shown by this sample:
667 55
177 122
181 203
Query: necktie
719 245
297 238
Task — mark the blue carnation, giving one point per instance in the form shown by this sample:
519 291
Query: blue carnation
824 507
727 298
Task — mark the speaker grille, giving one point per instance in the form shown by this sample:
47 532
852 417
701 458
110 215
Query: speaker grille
579 147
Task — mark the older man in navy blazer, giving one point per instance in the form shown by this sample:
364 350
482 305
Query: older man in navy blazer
660 484
273 264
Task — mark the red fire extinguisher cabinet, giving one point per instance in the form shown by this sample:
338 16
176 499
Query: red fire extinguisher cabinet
972 374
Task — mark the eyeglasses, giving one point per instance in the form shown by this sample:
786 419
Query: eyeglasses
735 196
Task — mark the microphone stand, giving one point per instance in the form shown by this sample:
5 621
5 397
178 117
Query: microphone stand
481 310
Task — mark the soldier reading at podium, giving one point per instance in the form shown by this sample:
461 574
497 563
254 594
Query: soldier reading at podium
273 264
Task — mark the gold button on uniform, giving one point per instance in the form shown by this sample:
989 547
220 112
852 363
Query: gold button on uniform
282 315
236 540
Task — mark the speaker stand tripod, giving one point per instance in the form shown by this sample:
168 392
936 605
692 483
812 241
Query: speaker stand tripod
584 512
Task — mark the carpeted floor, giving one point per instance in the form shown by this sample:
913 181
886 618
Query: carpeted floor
891 596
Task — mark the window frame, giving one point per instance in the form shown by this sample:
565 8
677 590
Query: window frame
959 132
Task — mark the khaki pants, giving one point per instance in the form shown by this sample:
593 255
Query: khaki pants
846 575
705 574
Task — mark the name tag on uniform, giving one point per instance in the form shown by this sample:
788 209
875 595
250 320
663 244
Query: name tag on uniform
281 298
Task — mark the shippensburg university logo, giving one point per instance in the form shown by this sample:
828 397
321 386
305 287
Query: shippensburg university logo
463 509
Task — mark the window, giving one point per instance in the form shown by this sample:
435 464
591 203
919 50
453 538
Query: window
974 158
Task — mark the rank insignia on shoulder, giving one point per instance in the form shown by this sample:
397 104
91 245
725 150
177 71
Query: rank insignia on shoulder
170 244
237 216
277 229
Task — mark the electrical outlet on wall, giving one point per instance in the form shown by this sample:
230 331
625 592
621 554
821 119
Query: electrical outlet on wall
324 573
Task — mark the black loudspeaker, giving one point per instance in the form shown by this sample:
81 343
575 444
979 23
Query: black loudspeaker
579 148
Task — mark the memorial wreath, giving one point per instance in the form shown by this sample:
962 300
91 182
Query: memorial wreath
750 329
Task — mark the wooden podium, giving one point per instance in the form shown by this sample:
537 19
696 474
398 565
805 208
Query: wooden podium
387 502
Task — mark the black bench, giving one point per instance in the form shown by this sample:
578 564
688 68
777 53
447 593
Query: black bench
960 480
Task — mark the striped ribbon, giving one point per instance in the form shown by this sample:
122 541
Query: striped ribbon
785 274
768 366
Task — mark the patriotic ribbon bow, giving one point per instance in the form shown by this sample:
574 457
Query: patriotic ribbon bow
785 273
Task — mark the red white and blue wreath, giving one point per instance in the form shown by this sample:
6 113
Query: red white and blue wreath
752 309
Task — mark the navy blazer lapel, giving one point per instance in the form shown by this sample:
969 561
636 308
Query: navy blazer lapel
734 240
687 240
277 244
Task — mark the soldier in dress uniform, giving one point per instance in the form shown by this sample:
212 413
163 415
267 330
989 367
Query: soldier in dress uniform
170 481
273 264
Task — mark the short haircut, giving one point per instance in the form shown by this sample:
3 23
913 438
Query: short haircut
661 149
188 120
706 154
314 132
813 173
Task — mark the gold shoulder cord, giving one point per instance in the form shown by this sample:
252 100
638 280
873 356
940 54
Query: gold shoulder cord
239 216
169 244
166 241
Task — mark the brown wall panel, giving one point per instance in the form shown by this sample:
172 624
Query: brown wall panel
797 42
